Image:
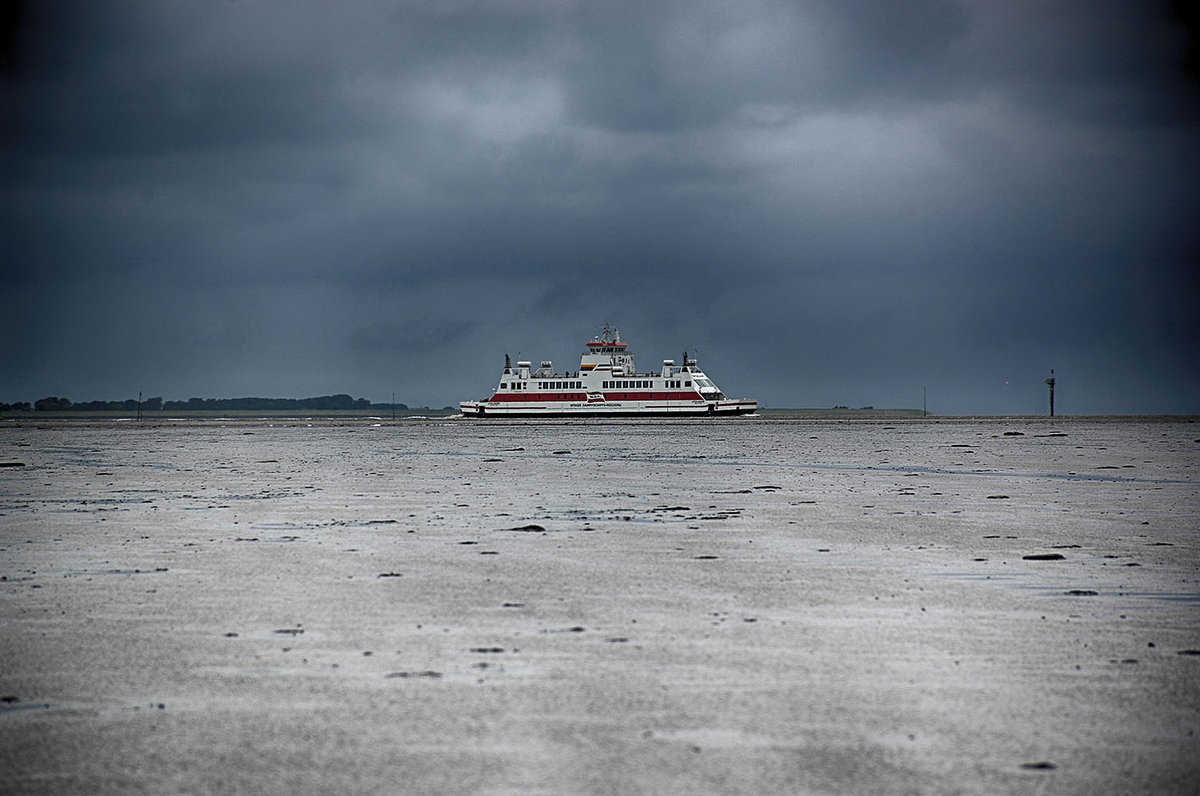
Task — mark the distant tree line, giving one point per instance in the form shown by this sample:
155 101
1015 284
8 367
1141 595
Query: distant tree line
324 402
56 404
340 402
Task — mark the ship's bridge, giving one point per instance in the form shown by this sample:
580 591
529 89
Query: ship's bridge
606 352
607 342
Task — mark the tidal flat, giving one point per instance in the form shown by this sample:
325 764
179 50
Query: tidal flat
748 606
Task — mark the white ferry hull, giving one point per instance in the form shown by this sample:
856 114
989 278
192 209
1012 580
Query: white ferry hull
606 385
608 409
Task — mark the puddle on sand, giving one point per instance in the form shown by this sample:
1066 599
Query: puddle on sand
1068 588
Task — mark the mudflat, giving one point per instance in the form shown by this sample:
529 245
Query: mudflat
755 605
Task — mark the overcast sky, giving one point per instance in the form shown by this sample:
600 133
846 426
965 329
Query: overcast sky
830 202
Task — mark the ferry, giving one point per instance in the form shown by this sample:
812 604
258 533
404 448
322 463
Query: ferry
606 385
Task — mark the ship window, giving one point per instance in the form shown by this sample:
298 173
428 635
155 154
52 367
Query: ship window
503 386
687 383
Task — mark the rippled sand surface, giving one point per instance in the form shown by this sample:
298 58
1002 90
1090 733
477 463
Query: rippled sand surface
745 606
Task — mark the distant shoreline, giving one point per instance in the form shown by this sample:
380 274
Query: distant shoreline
770 414
214 414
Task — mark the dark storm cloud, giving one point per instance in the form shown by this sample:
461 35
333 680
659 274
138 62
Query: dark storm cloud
834 202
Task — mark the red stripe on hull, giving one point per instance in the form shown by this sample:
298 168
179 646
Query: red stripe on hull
557 397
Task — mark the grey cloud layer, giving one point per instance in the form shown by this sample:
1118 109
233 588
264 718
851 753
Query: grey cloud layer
862 197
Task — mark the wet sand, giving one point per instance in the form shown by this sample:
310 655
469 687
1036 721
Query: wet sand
747 606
